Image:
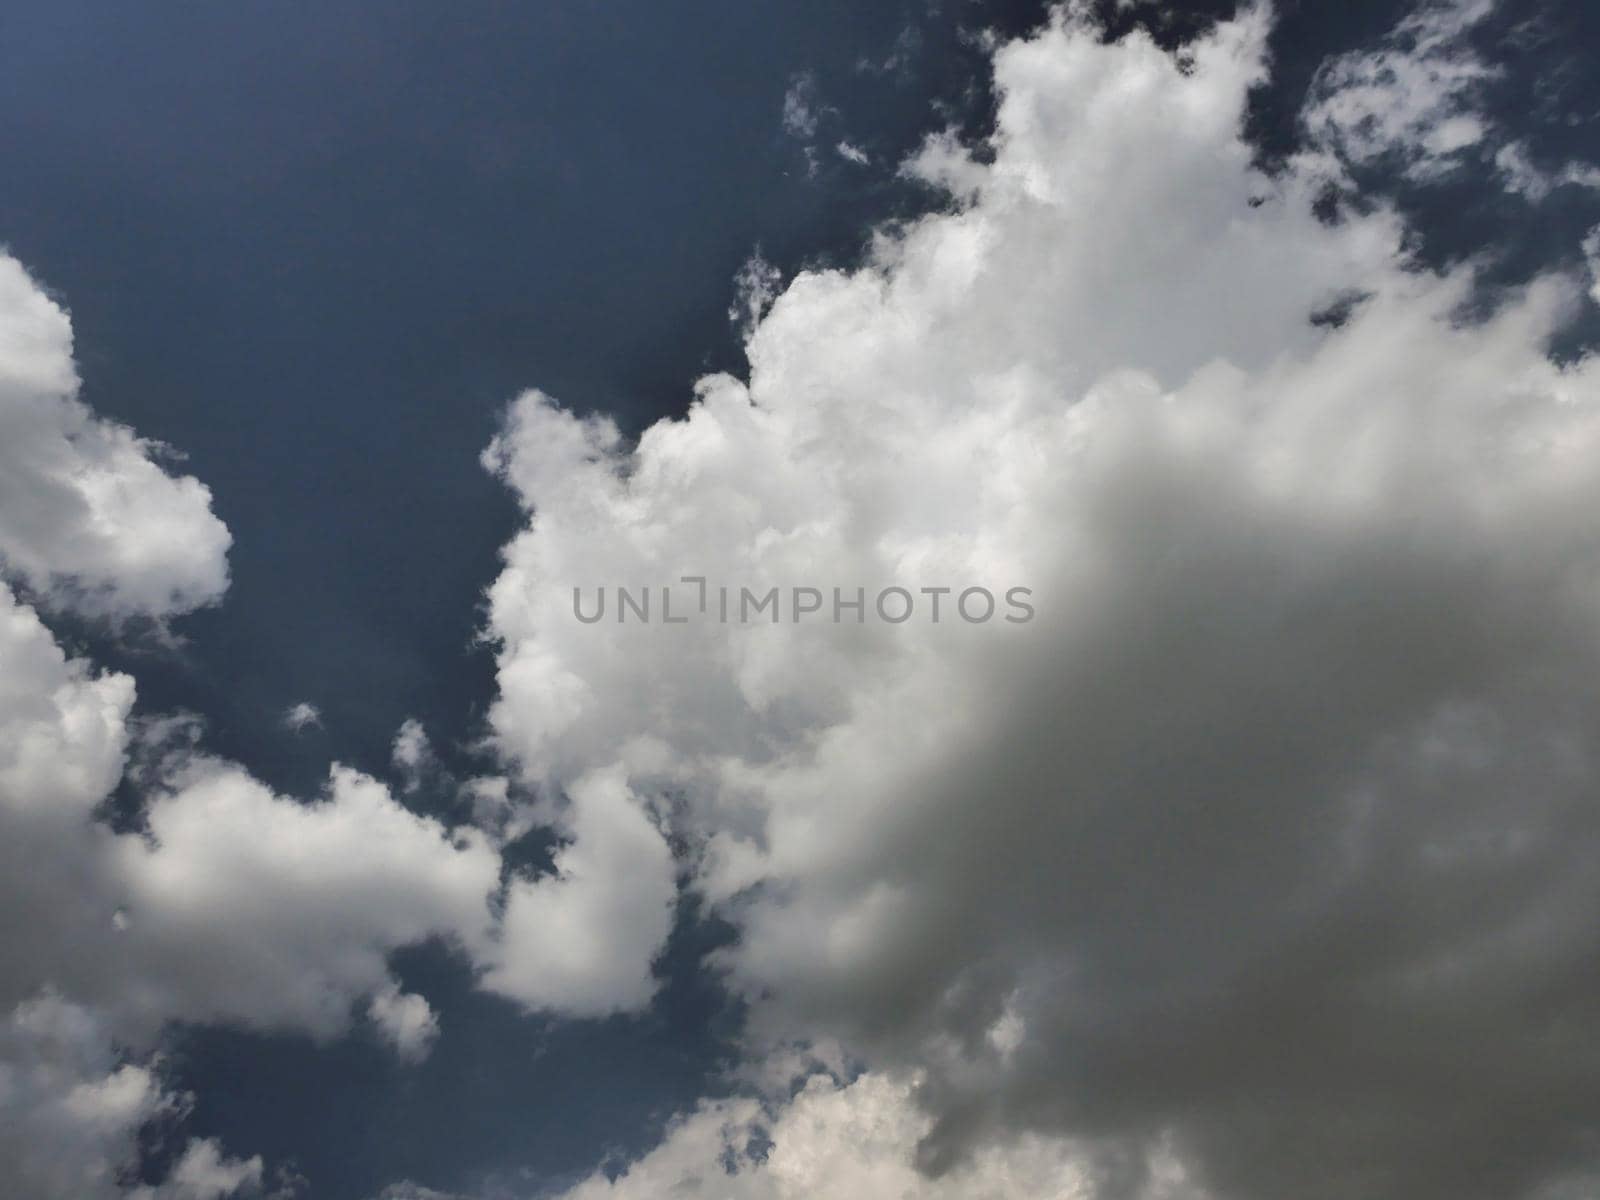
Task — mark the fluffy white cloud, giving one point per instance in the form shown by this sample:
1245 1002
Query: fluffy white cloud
71 1111
231 903
204 1172
1280 803
582 940
842 1140
406 1020
88 518
227 902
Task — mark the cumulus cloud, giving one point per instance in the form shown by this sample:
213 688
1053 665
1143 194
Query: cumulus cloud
229 902
196 915
582 939
837 1140
218 900
232 903
1264 851
88 517
71 1111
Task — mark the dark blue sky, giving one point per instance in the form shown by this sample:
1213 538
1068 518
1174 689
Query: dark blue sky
318 247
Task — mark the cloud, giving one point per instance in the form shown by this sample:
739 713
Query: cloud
71 1112
413 1191
406 1020
1414 100
855 1139
755 287
1265 850
1522 177
302 716
231 903
205 1173
800 113
1591 254
198 914
412 754
582 939
852 154
228 902
219 900
88 518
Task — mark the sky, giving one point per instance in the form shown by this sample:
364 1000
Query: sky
1238 356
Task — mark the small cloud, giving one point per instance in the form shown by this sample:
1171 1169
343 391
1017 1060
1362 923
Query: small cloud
755 287
494 811
299 717
1520 176
853 154
1591 254
803 115
800 114
898 62
406 1190
406 1022
412 753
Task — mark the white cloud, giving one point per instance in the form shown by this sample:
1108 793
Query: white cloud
200 916
800 115
235 904
1522 177
755 287
412 753
852 154
1279 802
204 1172
582 940
71 1111
406 1020
1414 100
231 903
301 716
88 518
235 882
855 1139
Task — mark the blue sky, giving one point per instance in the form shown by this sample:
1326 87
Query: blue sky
318 251
947 888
